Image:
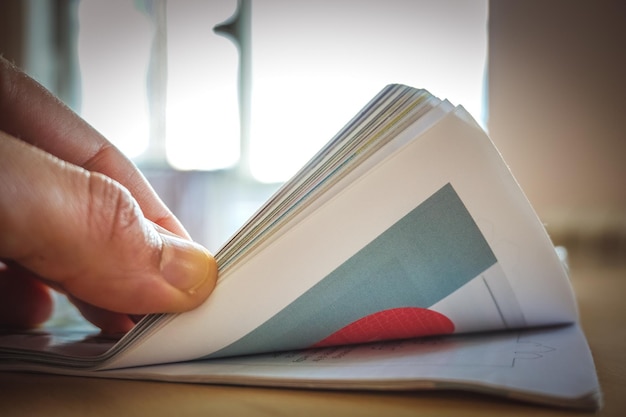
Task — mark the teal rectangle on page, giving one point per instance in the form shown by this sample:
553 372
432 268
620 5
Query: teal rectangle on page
422 258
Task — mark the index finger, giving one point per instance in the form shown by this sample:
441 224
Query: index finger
30 112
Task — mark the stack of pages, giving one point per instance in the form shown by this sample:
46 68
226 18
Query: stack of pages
403 256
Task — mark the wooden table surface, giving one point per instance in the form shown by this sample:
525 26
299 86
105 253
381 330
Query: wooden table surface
601 292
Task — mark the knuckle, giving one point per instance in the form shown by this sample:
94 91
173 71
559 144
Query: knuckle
112 211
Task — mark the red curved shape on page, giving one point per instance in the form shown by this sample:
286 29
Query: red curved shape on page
395 323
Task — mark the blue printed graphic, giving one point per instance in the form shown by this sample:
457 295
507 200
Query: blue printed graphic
425 256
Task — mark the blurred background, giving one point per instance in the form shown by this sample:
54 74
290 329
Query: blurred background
219 102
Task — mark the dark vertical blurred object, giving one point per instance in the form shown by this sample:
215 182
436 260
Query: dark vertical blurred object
40 37
156 79
556 112
237 29
12 33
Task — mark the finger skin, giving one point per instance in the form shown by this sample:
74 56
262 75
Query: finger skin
30 303
76 214
32 114
87 234
26 303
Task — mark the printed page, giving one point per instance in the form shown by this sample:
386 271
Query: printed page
438 232
549 365
352 151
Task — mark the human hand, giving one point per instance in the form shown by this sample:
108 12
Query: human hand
76 215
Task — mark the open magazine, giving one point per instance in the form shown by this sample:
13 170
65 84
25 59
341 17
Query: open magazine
403 256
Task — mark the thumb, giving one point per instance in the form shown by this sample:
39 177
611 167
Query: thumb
85 234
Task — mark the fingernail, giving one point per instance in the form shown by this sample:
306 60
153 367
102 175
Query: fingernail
185 264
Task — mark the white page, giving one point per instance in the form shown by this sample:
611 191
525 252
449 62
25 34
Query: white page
550 365
453 152
345 157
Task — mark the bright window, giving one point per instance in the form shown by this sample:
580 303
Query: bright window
314 65
114 47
